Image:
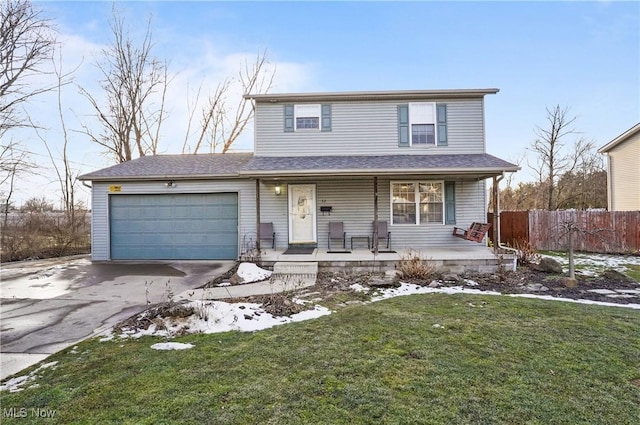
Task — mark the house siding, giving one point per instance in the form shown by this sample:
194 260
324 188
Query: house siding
352 203
624 175
100 206
367 127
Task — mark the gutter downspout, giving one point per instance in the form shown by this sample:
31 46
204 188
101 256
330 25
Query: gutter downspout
496 219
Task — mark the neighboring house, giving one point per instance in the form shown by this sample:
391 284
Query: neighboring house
623 170
415 159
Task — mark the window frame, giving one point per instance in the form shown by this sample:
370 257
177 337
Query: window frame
297 113
417 201
415 118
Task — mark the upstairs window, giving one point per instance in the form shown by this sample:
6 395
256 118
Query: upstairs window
423 134
422 118
307 117
422 124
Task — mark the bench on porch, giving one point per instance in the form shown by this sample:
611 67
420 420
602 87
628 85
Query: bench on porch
475 232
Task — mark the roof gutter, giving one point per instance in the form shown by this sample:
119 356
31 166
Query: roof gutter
371 95
359 172
157 178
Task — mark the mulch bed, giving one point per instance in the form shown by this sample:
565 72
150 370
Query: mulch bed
516 283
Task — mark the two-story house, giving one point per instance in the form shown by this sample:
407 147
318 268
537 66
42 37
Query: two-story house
413 160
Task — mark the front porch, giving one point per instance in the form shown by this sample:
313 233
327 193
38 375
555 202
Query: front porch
469 259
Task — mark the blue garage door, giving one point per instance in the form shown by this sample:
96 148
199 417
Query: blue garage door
198 226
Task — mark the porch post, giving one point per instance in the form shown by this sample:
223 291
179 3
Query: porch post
258 214
375 215
494 207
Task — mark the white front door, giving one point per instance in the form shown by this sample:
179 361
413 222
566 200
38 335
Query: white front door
302 213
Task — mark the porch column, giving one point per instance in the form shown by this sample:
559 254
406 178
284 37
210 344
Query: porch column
494 207
375 215
258 214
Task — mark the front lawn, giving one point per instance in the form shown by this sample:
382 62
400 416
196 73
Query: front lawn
432 359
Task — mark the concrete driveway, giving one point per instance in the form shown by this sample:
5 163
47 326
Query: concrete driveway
49 305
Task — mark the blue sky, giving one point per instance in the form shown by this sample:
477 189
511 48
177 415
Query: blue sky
581 55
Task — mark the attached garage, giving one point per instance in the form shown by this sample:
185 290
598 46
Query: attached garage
189 226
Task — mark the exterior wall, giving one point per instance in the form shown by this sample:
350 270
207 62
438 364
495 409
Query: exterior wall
100 243
624 175
352 203
367 128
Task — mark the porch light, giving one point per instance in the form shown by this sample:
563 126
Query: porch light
278 190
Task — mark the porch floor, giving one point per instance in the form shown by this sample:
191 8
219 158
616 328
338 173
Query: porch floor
463 259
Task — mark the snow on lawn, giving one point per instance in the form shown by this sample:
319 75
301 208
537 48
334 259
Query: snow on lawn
17 383
592 264
410 289
219 316
171 346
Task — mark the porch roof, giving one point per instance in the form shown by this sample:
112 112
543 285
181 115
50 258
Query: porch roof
477 165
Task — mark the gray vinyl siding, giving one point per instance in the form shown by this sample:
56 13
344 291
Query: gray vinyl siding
352 203
359 128
100 206
624 175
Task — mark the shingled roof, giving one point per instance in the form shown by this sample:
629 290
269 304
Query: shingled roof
480 164
229 165
201 166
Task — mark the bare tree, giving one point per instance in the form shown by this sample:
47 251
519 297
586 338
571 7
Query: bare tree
27 41
68 229
134 83
66 176
572 229
552 157
13 162
223 121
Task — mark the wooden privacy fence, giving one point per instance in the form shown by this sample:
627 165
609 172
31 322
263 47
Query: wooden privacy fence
615 231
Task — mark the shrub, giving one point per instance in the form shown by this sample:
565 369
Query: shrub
526 253
411 266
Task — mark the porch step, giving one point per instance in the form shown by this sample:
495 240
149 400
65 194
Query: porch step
289 276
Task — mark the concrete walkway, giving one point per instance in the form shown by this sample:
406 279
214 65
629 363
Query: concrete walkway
286 277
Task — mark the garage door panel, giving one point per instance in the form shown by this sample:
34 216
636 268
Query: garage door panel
179 226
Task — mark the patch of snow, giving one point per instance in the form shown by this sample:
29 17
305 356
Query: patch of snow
579 301
601 291
219 316
592 264
171 346
16 384
224 284
470 282
411 289
358 288
250 272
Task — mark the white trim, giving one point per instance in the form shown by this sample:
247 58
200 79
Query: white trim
416 201
311 210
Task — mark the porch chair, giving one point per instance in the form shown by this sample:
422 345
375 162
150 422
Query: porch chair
336 231
382 233
267 234
474 233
